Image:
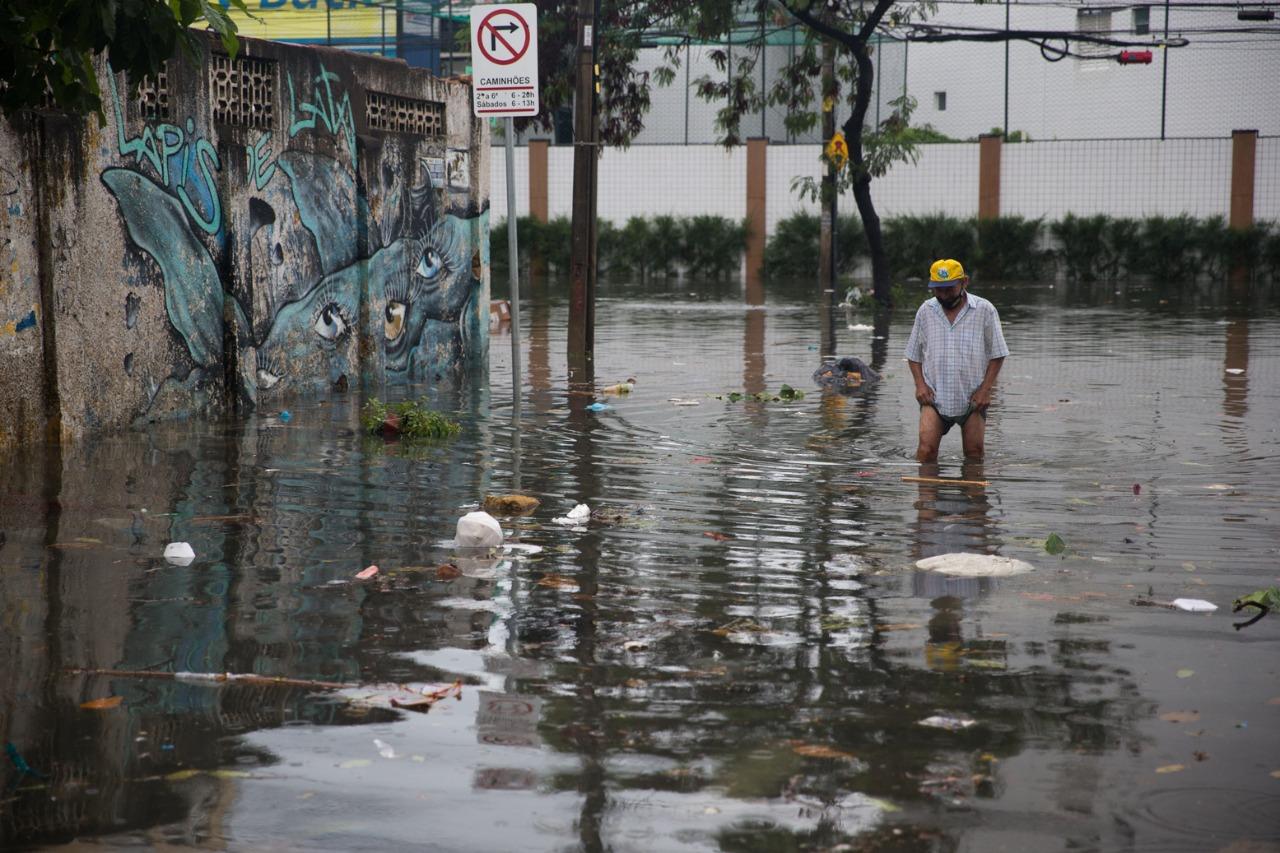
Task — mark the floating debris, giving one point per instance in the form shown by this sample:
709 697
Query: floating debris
974 565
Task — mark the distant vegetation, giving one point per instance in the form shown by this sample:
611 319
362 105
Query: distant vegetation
1082 248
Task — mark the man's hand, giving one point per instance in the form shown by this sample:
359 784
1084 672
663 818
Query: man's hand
981 399
924 394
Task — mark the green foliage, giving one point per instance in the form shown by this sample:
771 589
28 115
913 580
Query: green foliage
1008 248
416 420
914 242
792 251
1054 544
1264 599
786 394
702 246
1084 251
49 47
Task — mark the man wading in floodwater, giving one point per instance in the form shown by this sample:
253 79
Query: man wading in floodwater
955 352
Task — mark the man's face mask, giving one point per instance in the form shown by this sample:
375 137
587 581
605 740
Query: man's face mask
950 297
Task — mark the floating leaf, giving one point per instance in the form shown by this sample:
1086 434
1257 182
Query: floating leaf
447 572
717 536
365 574
1171 768
1186 673
510 504
1267 599
1054 544
1180 716
182 775
230 774
813 750
102 704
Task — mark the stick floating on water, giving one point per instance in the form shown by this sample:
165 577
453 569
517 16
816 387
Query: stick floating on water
944 481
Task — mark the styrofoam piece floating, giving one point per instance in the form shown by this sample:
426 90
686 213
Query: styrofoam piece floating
478 530
179 553
580 514
1195 605
974 565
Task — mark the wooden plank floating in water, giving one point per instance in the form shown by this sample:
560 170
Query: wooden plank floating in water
943 481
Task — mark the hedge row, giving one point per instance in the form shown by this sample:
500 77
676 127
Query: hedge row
1084 248
661 246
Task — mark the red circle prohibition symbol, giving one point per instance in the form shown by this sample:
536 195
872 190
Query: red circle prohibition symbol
495 38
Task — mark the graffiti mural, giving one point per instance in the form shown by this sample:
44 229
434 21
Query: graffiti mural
349 276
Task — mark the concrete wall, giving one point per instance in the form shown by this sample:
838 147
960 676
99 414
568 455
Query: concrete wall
299 221
1119 177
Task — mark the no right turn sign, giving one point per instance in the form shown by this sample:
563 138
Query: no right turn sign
504 59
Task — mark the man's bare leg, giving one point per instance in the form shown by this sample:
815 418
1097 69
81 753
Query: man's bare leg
972 435
930 435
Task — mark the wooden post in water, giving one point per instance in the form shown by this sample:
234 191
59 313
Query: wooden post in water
582 273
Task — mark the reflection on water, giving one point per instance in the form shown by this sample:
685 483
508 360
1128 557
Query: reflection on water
737 651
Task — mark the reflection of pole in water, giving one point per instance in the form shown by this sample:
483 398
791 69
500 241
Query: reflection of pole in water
1235 385
753 362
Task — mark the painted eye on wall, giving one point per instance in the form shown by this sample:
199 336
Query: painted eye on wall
430 265
331 325
393 320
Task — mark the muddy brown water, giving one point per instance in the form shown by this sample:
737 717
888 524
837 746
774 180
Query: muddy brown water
640 685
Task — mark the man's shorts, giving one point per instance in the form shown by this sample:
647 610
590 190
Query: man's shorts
948 421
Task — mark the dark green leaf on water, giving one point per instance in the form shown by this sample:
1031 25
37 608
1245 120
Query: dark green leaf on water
1054 544
734 396
789 393
1266 599
410 419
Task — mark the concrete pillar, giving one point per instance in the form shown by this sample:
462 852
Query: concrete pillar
757 156
989 146
538 179
537 198
1244 148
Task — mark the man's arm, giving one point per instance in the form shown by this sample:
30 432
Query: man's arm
924 394
981 398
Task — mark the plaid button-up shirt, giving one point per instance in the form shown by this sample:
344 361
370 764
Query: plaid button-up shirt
954 356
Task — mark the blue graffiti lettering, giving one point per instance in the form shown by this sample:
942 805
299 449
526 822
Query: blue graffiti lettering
170 151
335 114
262 165
304 4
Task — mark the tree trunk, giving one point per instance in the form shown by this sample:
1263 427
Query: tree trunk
880 283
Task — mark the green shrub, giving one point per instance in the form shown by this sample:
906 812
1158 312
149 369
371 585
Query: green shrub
416 420
713 245
1083 250
665 245
792 251
633 248
1009 248
1123 240
912 243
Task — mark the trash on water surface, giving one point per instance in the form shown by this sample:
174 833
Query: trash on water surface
974 565
1194 605
510 504
384 748
621 388
1235 371
179 553
365 574
102 704
597 407
679 401
1054 544
951 724
286 416
579 515
478 530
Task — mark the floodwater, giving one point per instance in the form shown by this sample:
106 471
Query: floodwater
735 654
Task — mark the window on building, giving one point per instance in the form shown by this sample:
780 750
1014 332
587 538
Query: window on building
1141 20
940 100
1094 22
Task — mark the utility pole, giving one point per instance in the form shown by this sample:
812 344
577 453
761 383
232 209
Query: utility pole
827 235
582 267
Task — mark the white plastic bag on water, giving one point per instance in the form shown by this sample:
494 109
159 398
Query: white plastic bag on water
179 553
974 565
478 530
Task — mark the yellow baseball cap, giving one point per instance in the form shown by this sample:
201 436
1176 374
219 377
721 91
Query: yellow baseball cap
945 273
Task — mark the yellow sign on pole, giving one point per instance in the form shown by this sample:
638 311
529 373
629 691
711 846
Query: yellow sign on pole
837 151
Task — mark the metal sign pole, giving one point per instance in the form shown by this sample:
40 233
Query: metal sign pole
513 262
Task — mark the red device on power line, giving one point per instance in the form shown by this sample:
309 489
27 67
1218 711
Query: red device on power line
1134 57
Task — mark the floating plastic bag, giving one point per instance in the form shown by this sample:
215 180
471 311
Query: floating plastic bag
478 530
579 515
974 565
179 553
1195 605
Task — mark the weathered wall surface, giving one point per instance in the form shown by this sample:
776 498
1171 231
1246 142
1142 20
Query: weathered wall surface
300 220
